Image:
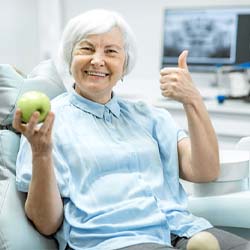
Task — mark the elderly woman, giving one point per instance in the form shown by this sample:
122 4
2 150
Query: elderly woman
102 172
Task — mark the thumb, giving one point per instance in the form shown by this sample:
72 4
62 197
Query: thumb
182 60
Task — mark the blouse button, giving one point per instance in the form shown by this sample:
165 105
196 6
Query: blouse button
107 117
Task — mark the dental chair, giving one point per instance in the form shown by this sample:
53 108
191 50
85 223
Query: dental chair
16 231
228 210
243 144
226 201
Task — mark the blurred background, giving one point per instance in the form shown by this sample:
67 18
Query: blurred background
30 31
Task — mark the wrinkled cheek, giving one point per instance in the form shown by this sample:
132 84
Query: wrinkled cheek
119 74
115 79
79 76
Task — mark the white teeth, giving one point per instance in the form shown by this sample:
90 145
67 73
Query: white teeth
93 73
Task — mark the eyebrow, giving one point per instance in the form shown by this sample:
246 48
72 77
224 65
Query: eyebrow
85 41
107 46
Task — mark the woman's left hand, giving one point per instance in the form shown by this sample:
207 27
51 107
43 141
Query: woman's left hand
176 82
198 157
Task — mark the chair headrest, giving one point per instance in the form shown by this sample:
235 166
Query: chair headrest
43 78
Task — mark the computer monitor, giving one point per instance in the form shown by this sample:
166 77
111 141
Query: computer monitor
213 36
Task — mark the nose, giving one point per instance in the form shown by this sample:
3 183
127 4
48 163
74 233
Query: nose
97 59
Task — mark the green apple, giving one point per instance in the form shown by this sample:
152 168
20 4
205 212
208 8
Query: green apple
203 241
33 101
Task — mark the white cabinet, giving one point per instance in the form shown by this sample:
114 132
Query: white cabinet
231 120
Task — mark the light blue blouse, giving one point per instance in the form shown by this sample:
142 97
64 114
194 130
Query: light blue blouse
117 168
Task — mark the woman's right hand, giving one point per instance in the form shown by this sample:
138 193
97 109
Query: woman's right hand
39 137
43 206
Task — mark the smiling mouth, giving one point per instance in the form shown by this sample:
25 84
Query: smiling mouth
96 73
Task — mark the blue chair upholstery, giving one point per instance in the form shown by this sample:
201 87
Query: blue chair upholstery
16 231
13 85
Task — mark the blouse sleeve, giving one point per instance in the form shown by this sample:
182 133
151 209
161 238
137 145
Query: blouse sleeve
24 168
168 133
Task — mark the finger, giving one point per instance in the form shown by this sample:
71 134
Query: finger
170 86
17 121
167 93
182 60
169 70
33 121
48 123
165 84
169 78
163 87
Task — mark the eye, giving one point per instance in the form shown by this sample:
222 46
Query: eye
86 48
111 51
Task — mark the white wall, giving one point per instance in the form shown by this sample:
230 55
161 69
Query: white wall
19 44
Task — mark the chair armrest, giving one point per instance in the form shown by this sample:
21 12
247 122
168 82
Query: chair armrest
16 231
230 210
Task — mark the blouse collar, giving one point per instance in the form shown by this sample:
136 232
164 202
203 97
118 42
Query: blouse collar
95 108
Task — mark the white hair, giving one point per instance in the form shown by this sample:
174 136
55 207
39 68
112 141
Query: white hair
93 22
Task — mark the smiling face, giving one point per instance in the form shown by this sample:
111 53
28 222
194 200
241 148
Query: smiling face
97 64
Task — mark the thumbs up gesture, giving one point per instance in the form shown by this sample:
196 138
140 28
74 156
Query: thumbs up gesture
176 82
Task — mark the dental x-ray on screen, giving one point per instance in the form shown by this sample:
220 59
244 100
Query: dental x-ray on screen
214 36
